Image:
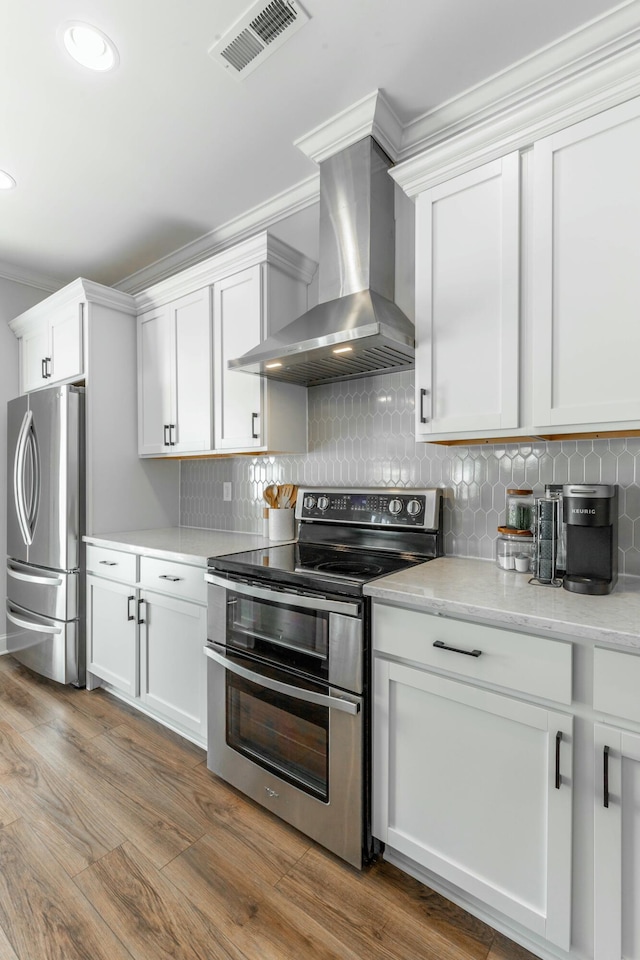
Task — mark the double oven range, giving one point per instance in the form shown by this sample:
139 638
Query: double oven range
289 658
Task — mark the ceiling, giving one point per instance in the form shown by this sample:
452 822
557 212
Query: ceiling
115 171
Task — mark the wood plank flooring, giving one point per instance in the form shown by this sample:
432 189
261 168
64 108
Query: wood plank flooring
116 842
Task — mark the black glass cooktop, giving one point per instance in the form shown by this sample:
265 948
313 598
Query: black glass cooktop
314 565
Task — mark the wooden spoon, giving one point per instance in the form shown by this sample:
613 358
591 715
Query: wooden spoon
271 495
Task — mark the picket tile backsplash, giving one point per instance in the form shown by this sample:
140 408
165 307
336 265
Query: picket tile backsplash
361 433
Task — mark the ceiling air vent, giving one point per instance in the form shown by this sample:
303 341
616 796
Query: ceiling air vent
257 34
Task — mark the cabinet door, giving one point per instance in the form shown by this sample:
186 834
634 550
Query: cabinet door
66 343
34 349
155 381
112 638
191 342
237 325
467 302
586 276
476 787
173 664
617 844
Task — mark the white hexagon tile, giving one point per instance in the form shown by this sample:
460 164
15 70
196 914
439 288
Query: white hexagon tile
361 433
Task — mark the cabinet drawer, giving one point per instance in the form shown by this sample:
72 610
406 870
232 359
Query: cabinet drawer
533 665
616 682
114 564
178 579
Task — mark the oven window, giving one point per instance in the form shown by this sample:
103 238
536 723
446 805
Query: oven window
291 636
280 733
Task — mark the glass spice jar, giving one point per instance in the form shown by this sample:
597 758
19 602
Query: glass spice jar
519 511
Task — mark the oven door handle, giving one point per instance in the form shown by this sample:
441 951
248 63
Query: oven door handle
293 599
333 703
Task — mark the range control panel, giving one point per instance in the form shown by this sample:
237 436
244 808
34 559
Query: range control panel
398 508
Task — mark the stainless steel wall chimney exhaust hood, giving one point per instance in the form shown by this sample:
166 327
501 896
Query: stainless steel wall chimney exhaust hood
356 330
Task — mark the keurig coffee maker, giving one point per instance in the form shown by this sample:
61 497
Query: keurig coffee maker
590 512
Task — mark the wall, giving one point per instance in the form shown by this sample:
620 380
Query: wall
361 433
14 298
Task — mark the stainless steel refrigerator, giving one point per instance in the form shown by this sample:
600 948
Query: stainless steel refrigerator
45 523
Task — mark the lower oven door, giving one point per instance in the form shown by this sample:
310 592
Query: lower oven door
293 746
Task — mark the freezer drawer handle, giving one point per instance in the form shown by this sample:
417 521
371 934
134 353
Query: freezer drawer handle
28 625
468 653
28 578
334 703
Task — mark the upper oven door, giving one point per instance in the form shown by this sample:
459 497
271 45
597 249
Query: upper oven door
316 636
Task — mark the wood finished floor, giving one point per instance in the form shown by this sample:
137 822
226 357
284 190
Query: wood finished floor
117 843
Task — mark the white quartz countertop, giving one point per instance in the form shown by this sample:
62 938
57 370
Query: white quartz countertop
479 589
186 544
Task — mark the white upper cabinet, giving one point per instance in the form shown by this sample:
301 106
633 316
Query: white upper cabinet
174 376
467 302
189 402
51 351
237 312
587 272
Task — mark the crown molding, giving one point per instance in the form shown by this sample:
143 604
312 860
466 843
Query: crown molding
79 291
588 71
28 278
370 117
256 220
261 248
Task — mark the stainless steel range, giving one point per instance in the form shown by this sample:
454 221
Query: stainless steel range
289 662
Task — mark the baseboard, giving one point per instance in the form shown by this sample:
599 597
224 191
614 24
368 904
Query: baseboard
3 644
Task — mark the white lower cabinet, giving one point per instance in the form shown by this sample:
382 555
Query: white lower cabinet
146 644
616 810
172 667
112 633
473 785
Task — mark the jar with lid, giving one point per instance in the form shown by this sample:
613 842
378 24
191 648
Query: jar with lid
519 509
514 551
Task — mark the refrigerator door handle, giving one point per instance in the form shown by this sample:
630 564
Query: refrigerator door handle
30 578
34 496
31 624
19 478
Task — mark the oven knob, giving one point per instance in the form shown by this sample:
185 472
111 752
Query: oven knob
309 503
395 507
414 507
323 503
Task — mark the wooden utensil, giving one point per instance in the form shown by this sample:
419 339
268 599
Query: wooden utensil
285 492
271 495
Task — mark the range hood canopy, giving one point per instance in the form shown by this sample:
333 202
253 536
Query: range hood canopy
356 330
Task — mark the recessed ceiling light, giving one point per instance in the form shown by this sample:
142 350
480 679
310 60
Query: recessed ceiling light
6 181
89 46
